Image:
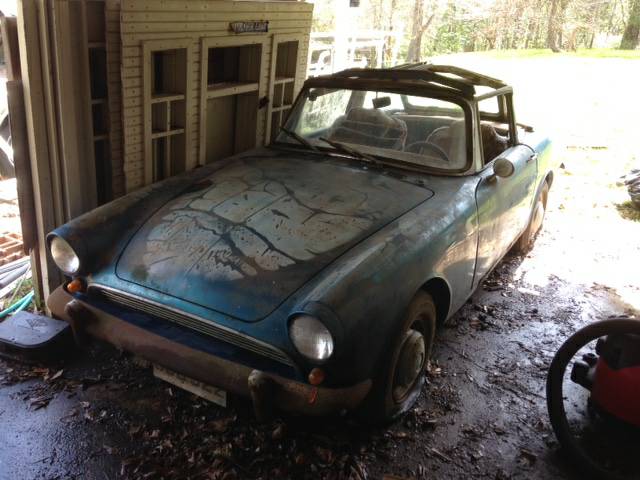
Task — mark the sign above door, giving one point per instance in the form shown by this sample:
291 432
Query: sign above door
249 26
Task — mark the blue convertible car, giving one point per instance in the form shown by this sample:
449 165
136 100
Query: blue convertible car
311 275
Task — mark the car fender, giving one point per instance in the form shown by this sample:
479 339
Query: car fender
370 286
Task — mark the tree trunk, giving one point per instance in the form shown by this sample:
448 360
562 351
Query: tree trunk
415 43
631 35
390 43
562 14
418 27
531 26
552 27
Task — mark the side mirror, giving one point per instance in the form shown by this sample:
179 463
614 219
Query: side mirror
503 168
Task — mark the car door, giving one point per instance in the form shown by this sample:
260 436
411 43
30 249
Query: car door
504 204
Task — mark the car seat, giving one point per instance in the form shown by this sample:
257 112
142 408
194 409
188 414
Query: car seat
493 144
371 127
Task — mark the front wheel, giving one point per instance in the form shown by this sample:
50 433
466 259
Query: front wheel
398 385
525 242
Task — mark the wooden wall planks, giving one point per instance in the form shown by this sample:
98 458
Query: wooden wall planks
61 104
145 20
49 212
114 87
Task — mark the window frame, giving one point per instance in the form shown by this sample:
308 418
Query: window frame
276 40
207 43
506 116
412 90
149 47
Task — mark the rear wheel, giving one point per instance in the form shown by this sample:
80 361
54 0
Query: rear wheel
400 381
525 242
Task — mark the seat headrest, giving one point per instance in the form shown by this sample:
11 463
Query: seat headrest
370 127
493 144
373 116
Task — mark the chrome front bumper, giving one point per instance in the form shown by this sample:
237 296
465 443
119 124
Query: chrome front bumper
191 322
267 390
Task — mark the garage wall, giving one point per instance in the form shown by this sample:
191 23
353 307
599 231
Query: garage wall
112 19
180 20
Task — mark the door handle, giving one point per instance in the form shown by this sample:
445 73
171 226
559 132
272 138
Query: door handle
532 157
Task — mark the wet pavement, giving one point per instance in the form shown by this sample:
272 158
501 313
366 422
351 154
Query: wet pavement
99 415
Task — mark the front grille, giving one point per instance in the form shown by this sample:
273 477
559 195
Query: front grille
190 321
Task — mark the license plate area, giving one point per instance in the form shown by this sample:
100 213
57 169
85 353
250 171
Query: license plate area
203 390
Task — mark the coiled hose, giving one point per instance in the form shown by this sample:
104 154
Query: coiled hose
18 305
555 380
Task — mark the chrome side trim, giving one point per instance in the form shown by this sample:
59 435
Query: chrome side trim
191 321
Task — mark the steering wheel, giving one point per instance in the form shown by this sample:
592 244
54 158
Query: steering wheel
416 147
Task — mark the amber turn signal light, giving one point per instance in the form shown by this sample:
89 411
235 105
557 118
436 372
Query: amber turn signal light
74 286
316 376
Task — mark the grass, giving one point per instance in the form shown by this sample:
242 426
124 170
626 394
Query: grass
580 53
628 211
26 287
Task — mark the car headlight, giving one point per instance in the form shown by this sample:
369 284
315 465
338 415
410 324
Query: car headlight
311 338
64 256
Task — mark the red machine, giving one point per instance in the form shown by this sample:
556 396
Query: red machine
612 375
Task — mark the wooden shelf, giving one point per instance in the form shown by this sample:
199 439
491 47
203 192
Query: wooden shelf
167 133
281 108
279 80
98 101
230 88
101 136
167 97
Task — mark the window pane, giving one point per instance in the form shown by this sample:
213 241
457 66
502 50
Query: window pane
321 110
424 131
489 106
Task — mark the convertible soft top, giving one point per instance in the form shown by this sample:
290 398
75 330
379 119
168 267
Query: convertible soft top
441 77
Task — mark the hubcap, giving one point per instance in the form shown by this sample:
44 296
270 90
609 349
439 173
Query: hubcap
538 215
410 364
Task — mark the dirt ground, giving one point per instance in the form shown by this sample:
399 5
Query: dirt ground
482 414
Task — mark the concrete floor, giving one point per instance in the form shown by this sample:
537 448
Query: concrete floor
482 414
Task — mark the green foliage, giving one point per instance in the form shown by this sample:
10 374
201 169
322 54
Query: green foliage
455 33
581 52
628 211
323 15
25 287
450 26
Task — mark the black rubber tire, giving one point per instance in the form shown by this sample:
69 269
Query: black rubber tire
525 242
380 407
555 381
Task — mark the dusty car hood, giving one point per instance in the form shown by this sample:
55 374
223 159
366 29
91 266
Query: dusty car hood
255 231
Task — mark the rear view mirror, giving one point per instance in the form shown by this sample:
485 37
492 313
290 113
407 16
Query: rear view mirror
503 168
381 102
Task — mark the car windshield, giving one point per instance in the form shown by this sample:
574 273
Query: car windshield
417 130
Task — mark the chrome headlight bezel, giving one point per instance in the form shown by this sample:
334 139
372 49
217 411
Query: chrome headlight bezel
311 338
64 256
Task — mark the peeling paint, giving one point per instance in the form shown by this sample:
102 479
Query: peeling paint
266 225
